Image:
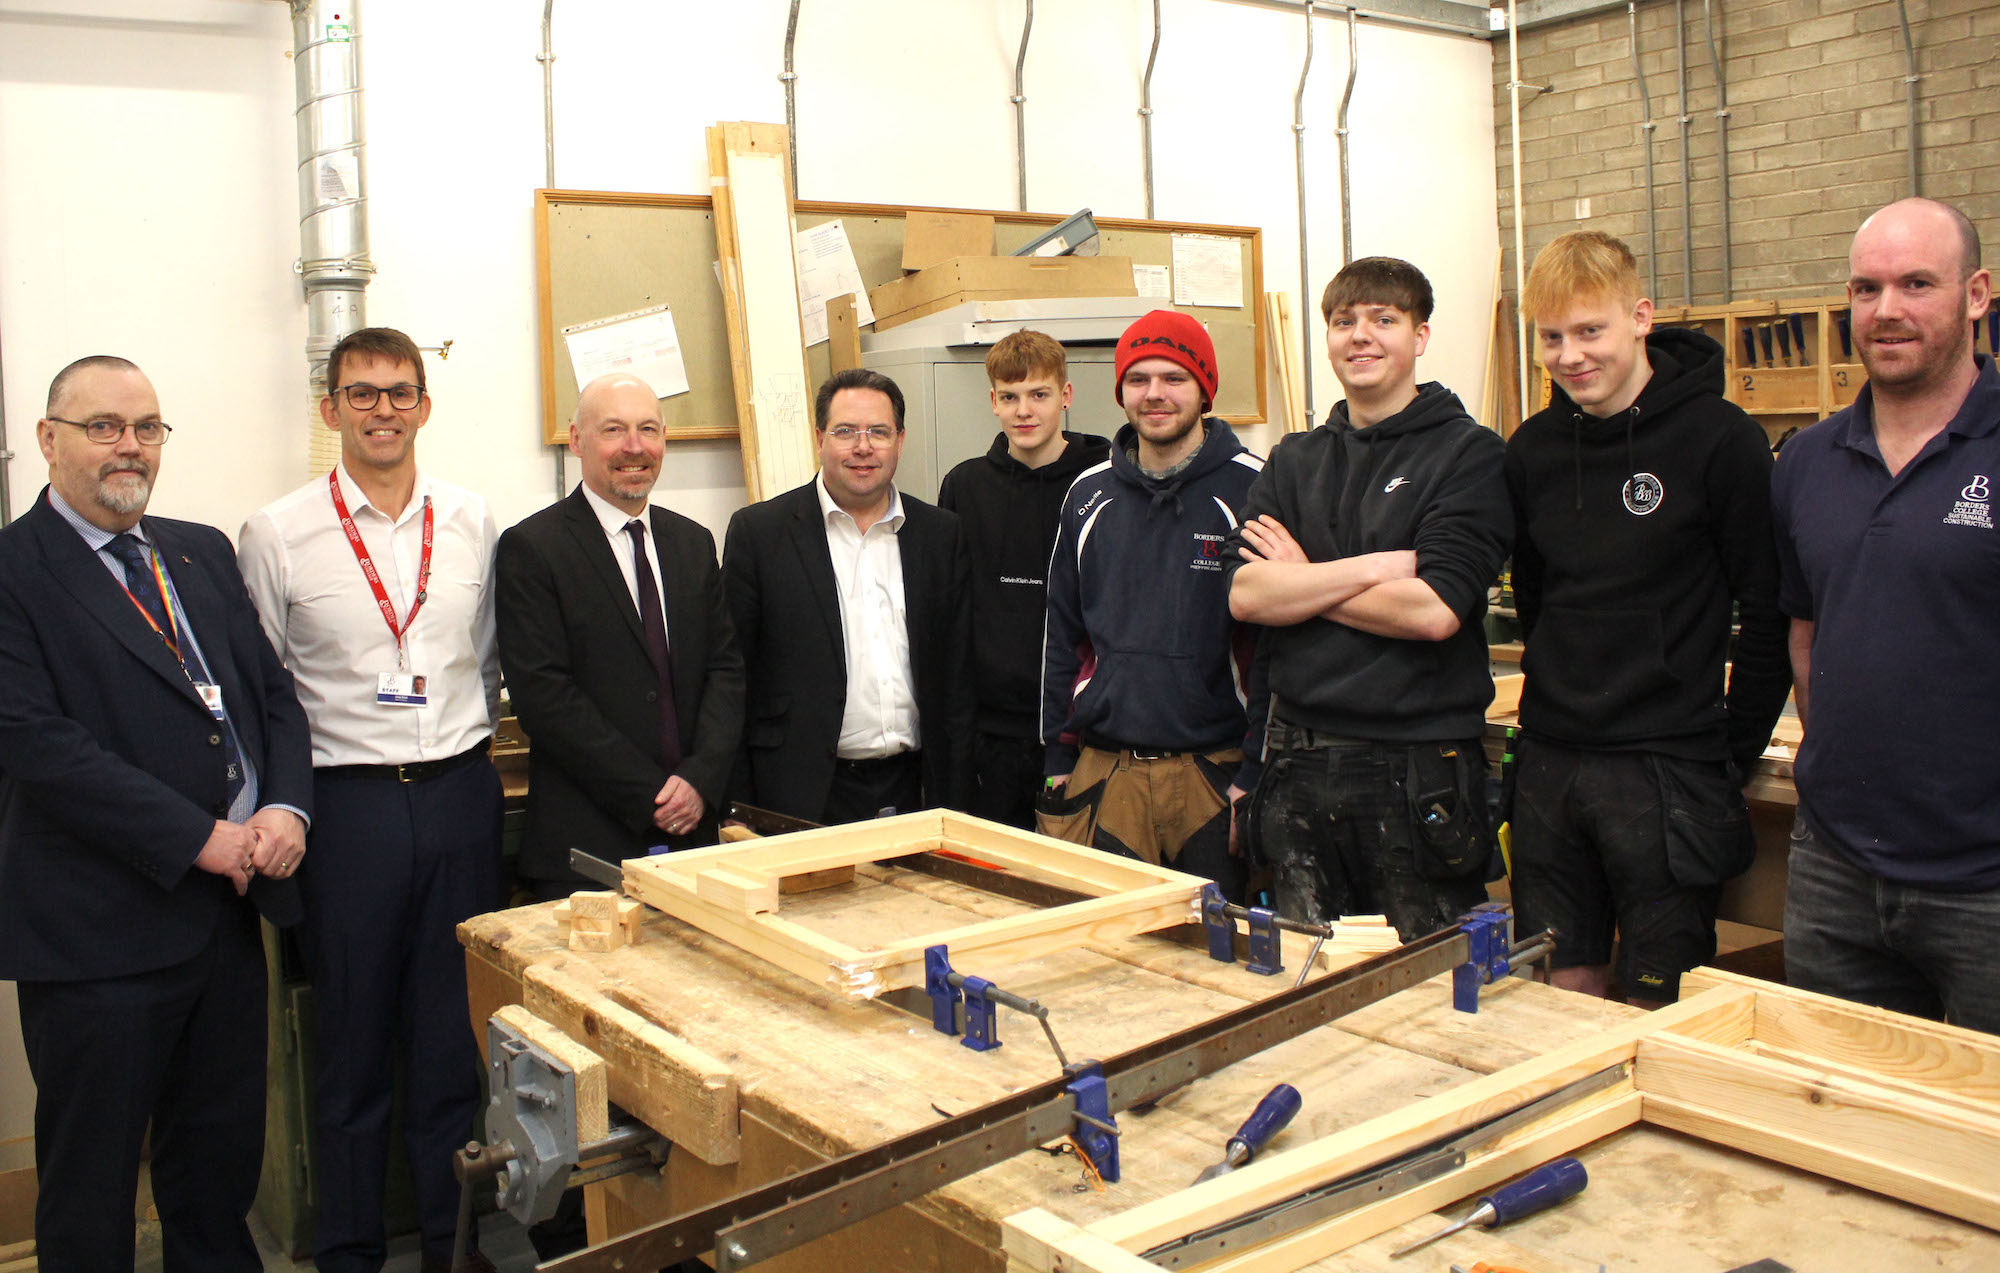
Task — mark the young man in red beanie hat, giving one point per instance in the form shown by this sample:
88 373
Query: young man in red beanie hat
1147 712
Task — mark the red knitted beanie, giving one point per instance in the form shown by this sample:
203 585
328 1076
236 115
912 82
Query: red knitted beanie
1166 334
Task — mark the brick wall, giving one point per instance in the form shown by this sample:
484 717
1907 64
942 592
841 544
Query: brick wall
1818 134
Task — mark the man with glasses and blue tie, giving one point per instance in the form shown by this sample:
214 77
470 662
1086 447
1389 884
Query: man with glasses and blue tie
155 778
375 586
620 658
852 604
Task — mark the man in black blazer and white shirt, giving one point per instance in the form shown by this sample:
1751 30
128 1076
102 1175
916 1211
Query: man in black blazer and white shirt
852 602
155 776
615 639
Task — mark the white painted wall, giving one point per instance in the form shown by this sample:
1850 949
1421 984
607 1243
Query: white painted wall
147 201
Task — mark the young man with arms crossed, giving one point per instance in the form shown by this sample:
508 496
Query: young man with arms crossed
1007 503
1643 508
1146 703
1367 549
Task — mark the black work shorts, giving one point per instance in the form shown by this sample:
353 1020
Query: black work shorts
1630 843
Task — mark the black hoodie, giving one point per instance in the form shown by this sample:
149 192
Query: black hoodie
1635 533
1427 478
1008 512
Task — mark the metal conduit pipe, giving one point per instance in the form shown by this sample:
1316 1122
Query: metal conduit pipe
1305 277
1910 80
1721 145
1646 127
1687 190
1520 234
1021 109
547 57
1146 110
1340 130
789 78
333 192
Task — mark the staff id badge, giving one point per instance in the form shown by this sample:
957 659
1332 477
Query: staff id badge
402 689
211 698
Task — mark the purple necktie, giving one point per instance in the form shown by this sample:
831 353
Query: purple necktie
654 617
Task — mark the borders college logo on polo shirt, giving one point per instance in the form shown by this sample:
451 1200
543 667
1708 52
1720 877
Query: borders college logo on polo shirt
1974 507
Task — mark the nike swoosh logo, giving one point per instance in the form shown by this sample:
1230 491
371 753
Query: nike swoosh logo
1394 482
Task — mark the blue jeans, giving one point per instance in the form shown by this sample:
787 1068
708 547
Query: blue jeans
1916 950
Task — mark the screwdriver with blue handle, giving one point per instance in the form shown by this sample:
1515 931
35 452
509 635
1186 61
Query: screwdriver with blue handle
1272 1115
1541 1188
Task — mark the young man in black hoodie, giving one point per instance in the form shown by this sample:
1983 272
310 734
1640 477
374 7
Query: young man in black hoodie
1367 549
1147 708
1007 503
1643 503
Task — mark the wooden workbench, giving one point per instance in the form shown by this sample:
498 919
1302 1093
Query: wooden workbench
813 1075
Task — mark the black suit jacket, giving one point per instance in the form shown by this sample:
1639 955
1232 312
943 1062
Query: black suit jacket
787 610
584 687
111 769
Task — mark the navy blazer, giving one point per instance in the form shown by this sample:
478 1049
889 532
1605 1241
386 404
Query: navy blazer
584 687
111 768
786 604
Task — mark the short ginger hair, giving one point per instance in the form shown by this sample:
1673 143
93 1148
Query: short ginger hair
1583 264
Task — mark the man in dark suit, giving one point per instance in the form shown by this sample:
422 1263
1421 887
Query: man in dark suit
633 708
155 777
852 603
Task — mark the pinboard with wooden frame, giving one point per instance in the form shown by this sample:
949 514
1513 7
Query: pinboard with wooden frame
601 253
1891 1103
736 891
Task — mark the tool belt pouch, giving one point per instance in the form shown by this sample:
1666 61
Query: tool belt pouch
1708 833
1069 812
1447 798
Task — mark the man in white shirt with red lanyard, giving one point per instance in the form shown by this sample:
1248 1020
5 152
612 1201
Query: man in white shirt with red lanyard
375 584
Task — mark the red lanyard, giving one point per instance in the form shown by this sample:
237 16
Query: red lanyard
387 606
172 635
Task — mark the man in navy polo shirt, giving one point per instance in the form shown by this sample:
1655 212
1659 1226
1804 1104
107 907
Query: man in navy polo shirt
1891 575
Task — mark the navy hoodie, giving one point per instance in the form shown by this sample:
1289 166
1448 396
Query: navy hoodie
1140 649
1634 536
1008 513
1427 478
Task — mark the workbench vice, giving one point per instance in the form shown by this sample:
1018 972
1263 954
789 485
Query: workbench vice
534 1146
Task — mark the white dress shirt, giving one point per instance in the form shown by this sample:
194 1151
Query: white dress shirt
321 616
880 716
614 521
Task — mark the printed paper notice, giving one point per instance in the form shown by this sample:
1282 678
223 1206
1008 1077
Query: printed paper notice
826 271
642 343
1208 270
1152 282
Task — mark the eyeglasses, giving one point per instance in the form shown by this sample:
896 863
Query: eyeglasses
363 397
847 434
107 432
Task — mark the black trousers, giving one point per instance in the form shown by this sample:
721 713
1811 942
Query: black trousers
182 1047
391 869
863 788
1006 779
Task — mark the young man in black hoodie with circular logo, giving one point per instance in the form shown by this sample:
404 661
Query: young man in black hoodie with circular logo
1367 549
1643 508
1007 503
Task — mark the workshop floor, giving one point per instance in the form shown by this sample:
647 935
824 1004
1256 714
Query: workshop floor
504 1242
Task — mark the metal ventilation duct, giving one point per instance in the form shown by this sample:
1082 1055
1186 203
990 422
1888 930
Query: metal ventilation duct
333 200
